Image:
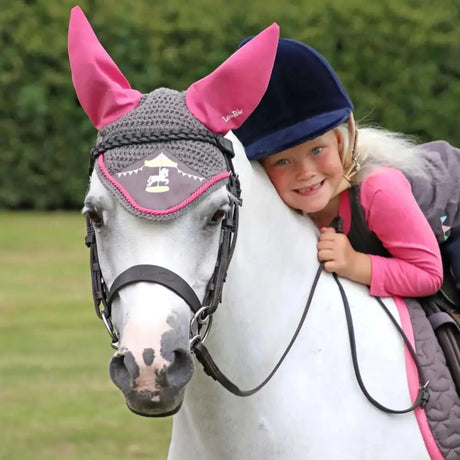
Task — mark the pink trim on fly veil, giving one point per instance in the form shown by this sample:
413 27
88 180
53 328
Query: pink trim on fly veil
159 212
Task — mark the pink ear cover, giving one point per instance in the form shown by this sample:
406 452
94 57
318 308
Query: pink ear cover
224 99
103 91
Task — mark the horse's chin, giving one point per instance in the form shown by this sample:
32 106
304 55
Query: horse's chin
141 403
144 413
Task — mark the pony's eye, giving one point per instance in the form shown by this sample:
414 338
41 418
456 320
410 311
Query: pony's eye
217 217
95 217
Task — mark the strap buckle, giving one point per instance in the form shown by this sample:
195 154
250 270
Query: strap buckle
425 394
200 325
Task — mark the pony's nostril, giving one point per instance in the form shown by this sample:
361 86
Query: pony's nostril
123 370
131 365
181 369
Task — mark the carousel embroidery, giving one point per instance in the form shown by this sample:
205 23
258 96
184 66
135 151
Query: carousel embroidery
161 182
158 181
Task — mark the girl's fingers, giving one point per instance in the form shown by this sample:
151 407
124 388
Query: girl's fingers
324 246
328 236
326 254
327 230
326 242
329 267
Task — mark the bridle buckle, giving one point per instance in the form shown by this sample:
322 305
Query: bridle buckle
200 325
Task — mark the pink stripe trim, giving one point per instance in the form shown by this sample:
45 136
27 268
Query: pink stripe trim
163 212
412 377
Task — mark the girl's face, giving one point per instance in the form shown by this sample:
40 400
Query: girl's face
307 175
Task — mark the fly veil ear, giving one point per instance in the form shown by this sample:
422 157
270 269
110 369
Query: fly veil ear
221 101
224 99
158 152
103 91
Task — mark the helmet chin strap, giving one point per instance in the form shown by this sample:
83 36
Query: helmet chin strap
350 158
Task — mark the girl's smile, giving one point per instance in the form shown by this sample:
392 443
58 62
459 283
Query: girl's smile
306 176
311 189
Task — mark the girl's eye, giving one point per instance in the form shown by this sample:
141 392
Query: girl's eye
282 162
316 150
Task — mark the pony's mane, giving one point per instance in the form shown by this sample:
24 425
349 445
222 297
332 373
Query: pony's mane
377 147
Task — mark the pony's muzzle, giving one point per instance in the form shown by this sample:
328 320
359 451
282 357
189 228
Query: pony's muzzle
148 389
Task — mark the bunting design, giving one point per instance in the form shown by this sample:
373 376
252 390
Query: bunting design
159 183
163 163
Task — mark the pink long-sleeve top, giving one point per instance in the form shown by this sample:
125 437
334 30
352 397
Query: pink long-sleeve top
391 212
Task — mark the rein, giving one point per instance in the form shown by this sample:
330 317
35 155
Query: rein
423 394
213 371
203 311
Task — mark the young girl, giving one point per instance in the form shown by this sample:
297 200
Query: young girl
304 135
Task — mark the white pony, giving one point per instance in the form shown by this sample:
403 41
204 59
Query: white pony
312 408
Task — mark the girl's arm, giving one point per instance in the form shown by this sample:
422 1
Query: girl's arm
392 213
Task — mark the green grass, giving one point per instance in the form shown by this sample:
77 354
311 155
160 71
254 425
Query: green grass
56 397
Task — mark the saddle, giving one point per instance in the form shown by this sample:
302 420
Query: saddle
443 312
442 309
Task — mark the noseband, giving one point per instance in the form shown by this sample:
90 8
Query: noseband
203 311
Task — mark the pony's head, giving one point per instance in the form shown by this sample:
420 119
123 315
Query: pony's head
157 156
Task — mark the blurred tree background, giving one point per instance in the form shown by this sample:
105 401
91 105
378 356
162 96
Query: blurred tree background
398 59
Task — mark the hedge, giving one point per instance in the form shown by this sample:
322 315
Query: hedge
399 60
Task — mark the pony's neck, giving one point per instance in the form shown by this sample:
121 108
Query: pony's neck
276 249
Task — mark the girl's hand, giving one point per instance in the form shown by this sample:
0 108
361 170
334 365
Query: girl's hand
338 255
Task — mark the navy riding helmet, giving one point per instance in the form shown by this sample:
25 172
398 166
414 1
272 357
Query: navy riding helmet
304 100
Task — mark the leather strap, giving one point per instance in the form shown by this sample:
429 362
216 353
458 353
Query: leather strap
211 368
441 318
159 275
423 394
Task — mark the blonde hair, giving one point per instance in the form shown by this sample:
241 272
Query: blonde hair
377 147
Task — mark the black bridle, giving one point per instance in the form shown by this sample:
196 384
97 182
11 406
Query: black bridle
203 311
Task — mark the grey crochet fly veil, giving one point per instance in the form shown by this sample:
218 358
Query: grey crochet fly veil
160 152
170 159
